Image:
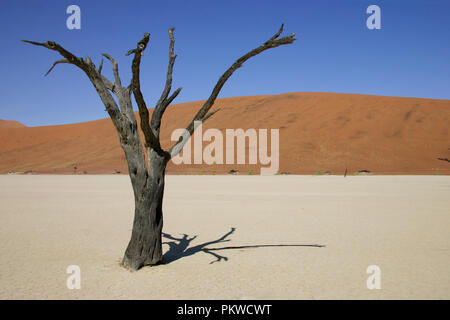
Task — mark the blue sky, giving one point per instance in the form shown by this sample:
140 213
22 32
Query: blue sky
335 52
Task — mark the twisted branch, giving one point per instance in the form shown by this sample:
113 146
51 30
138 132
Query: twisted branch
150 139
54 64
164 100
115 68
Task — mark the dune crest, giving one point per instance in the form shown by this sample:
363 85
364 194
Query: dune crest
11 124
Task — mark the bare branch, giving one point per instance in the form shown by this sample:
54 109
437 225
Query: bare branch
42 44
115 68
209 115
273 42
150 139
159 111
100 67
163 101
109 85
172 58
89 61
100 82
267 45
79 62
276 35
172 97
177 147
54 64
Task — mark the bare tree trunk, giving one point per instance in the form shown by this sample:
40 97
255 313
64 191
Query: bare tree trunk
145 246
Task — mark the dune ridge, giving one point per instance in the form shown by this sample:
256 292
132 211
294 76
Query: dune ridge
319 132
11 124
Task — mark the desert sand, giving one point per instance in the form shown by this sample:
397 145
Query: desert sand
399 223
318 132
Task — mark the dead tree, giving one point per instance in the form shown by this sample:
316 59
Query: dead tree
145 246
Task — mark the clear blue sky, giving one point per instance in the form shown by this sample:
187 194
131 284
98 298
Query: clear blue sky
335 52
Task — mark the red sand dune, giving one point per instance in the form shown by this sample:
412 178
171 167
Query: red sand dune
318 132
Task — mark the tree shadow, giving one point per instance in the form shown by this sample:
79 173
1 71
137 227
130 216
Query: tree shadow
179 247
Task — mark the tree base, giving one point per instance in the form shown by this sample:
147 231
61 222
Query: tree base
134 265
